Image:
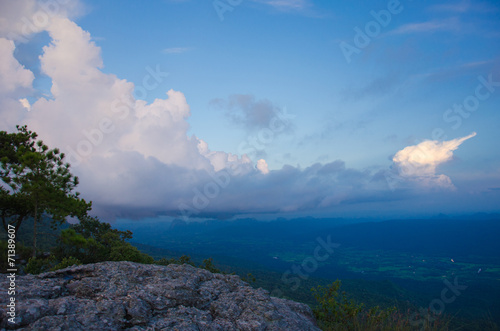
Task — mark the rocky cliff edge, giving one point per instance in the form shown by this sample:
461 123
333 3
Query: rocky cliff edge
132 296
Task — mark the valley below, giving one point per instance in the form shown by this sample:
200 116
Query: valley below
443 265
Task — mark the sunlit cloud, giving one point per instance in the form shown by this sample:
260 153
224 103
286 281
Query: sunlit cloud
262 166
419 162
25 103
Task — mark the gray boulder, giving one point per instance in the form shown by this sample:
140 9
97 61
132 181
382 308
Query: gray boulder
132 296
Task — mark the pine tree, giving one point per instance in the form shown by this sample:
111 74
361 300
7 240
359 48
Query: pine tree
40 182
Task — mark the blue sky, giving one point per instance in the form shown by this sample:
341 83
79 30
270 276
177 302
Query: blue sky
309 107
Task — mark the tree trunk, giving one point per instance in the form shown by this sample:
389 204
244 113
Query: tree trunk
34 229
5 226
18 223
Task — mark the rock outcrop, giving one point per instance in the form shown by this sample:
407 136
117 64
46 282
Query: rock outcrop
132 296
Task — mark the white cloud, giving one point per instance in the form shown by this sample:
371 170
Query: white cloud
13 75
71 57
419 162
21 19
15 82
430 26
286 4
160 130
82 94
262 166
176 50
222 160
25 103
16 21
465 6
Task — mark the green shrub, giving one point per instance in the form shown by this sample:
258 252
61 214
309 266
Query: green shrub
93 241
37 265
66 262
22 253
336 312
184 259
249 278
208 264
126 252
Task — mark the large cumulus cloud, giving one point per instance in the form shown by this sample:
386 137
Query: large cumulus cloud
131 156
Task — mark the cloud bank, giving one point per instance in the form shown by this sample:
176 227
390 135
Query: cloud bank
136 159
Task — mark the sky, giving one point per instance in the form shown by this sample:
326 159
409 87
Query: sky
201 109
